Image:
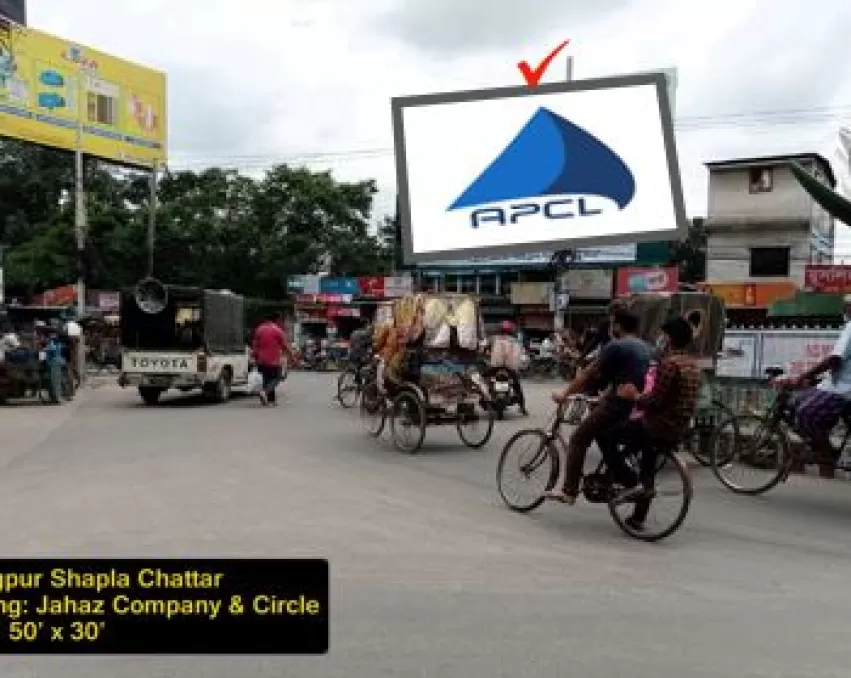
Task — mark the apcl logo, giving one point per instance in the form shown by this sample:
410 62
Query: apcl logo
552 169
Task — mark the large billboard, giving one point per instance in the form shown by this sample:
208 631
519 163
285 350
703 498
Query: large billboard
49 86
517 170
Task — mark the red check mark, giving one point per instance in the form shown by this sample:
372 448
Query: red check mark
533 77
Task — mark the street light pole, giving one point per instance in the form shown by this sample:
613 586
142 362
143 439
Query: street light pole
561 259
152 219
80 226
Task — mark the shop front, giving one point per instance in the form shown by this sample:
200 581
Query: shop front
589 293
535 306
325 316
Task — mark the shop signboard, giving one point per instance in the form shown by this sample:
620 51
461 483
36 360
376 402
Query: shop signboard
109 302
531 294
398 285
643 280
371 286
303 284
588 283
835 279
329 285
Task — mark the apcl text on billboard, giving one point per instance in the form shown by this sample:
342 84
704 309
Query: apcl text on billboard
514 170
50 86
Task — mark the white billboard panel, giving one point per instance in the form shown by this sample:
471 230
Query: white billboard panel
515 170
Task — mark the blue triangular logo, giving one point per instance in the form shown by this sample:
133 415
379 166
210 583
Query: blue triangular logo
551 156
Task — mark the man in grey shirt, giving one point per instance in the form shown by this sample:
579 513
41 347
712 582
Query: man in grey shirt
624 360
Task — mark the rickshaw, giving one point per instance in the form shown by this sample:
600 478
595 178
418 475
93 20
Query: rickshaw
446 388
25 373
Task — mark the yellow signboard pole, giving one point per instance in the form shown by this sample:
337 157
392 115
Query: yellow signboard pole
80 226
152 220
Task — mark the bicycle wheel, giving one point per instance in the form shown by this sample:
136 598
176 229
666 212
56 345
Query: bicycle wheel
749 454
658 517
698 440
475 425
373 412
347 388
530 455
408 422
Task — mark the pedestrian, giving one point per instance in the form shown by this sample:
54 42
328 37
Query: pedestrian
270 345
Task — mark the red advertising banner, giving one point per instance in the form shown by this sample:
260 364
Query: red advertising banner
836 279
642 280
58 296
371 286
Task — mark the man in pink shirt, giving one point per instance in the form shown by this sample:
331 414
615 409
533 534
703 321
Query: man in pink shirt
270 344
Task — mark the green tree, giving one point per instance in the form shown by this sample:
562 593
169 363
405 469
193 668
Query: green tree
215 228
690 254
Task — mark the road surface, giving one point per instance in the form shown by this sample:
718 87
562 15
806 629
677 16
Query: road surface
431 575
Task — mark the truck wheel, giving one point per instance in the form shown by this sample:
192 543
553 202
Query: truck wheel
221 390
150 395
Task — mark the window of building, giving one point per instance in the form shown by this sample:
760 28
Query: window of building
487 284
468 284
505 282
430 283
769 262
761 179
450 283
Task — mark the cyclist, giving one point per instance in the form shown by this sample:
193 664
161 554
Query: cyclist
506 352
818 408
359 346
602 335
624 360
667 409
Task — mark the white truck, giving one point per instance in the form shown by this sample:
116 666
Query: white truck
182 338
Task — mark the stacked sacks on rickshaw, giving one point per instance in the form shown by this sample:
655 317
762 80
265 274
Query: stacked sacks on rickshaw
439 382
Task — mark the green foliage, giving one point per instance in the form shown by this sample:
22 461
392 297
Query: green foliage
690 254
215 228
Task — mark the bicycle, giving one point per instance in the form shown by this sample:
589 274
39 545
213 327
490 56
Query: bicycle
597 486
762 443
698 439
351 382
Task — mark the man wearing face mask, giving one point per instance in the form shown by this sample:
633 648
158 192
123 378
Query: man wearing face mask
818 409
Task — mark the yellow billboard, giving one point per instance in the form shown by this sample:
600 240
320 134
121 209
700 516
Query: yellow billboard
52 90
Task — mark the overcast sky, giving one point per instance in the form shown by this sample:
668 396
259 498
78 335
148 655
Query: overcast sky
252 82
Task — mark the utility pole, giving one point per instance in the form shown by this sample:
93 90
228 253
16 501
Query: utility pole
152 219
80 226
561 259
2 275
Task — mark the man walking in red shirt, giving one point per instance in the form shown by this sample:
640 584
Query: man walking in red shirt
270 344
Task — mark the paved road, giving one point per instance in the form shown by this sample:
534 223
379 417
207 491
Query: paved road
431 575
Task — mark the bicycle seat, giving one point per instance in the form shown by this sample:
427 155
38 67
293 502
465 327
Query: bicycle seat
774 372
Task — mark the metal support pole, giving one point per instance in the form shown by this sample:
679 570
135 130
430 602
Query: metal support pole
152 220
560 268
80 232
